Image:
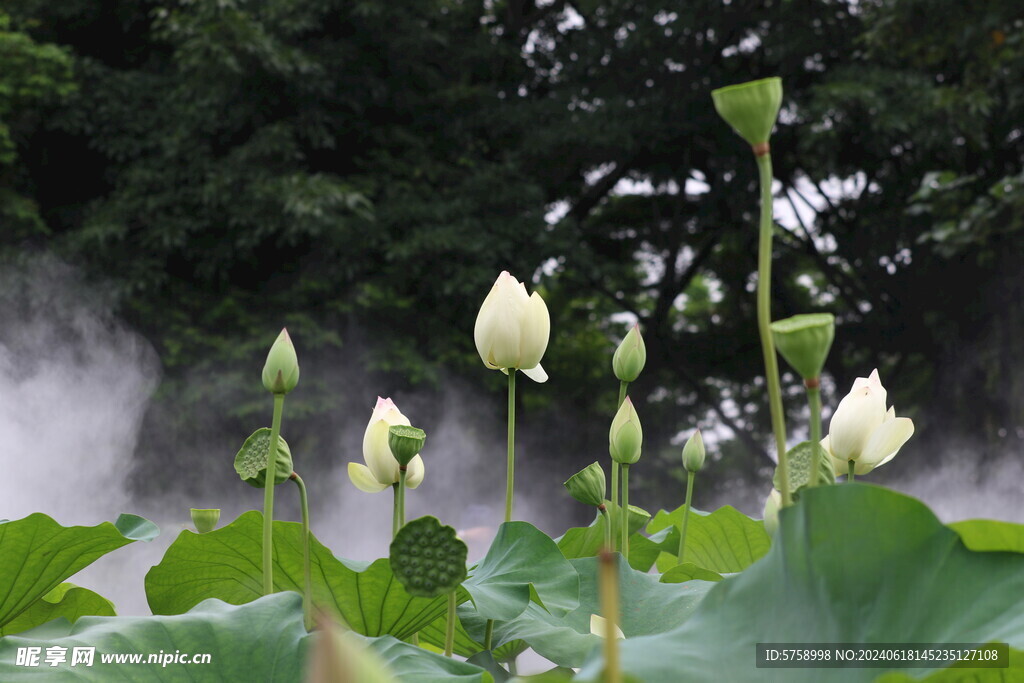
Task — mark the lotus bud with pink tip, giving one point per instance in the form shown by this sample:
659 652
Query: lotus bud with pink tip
381 468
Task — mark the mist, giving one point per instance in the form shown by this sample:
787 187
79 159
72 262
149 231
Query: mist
76 384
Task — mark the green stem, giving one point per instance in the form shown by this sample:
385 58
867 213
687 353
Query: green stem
849 477
268 497
401 496
449 633
615 504
489 634
307 594
764 319
395 524
607 528
510 484
624 516
814 403
690 476
623 386
608 587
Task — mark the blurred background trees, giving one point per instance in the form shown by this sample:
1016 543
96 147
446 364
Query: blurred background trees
361 172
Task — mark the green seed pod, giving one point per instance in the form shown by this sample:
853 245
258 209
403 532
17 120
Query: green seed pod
251 460
588 485
693 452
629 359
625 437
405 442
281 371
205 520
799 459
439 569
804 341
750 108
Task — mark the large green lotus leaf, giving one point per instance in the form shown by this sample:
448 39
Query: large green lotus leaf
990 534
66 600
464 644
1012 674
264 640
724 541
522 562
416 665
647 607
227 564
37 554
853 563
643 551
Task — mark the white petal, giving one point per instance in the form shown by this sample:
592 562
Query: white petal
363 478
537 374
859 414
505 323
377 454
414 473
483 330
536 329
886 441
599 627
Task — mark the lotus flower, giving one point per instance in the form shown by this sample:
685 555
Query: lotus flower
512 328
863 431
626 436
381 468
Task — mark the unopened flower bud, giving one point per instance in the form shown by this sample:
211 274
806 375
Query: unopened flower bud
804 341
588 485
750 108
206 520
281 371
625 436
693 452
771 511
630 357
405 442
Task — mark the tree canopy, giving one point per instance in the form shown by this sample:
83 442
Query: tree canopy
361 171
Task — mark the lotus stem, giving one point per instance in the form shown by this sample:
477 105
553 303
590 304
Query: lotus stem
849 476
402 474
268 497
510 483
623 386
449 633
489 634
609 590
395 523
608 538
690 477
764 318
307 588
624 516
814 403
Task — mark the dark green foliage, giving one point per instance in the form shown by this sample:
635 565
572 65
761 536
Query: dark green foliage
362 171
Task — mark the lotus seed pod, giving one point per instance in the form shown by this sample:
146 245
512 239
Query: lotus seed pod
693 452
630 357
281 371
205 520
251 460
804 341
588 485
750 108
625 437
405 442
441 566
